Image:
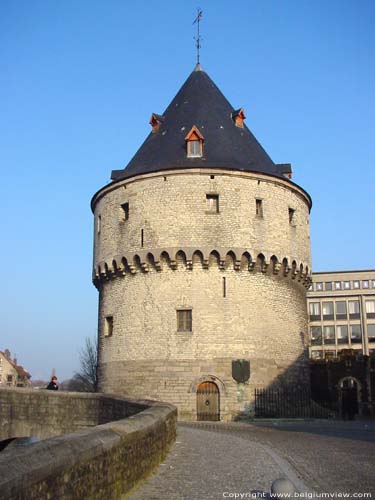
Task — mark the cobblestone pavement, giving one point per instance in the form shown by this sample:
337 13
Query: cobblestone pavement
212 460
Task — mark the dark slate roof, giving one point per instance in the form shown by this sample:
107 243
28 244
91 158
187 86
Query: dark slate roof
199 102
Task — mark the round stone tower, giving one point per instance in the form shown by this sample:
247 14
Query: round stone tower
202 261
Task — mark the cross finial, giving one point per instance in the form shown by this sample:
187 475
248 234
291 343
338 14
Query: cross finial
198 37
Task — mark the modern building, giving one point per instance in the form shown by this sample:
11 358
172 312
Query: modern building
12 374
341 309
202 262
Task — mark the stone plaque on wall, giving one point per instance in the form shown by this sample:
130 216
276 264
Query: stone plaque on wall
241 370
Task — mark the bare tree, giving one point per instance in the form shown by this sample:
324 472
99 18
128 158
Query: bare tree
86 379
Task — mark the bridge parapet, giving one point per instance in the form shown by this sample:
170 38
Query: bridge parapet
116 442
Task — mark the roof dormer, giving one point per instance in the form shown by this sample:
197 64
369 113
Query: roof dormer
194 143
155 121
238 116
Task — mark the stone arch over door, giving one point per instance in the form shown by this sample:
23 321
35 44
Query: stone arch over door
349 390
208 401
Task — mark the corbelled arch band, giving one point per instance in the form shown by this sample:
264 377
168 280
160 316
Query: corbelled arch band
237 259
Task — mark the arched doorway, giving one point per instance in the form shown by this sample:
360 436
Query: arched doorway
349 397
208 401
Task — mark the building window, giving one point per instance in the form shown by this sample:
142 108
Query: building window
370 308
212 203
9 378
259 208
373 283
342 334
108 326
184 320
365 284
291 215
371 332
224 287
353 309
125 211
341 311
98 224
355 334
337 285
355 284
327 308
194 143
316 354
314 309
319 287
329 334
316 335
329 285
347 285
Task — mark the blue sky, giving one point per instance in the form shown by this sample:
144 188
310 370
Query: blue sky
78 83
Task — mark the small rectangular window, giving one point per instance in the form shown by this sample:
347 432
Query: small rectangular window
319 287
337 285
329 334
99 224
291 215
212 203
329 285
370 308
342 334
327 308
108 327
356 334
341 312
347 285
316 354
125 211
356 284
184 320
314 308
194 149
259 208
371 332
365 284
354 309
316 335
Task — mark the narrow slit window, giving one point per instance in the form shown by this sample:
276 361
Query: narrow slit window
125 211
99 223
142 237
224 287
291 215
184 320
108 327
212 203
259 208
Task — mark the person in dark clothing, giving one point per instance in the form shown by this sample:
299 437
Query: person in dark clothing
52 386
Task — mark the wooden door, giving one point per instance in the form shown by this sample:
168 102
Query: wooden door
208 401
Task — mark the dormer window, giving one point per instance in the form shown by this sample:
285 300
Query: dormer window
155 122
238 116
194 143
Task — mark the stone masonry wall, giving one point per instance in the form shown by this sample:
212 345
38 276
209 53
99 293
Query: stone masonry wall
262 318
243 275
172 211
101 462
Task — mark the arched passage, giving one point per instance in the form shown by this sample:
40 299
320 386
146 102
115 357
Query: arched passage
208 401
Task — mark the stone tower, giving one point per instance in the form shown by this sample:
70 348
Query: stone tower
202 261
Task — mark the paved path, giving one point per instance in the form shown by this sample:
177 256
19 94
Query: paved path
215 461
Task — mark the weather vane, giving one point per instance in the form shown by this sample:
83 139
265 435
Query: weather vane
198 38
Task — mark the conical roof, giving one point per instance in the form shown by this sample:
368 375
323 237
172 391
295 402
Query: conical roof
199 103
